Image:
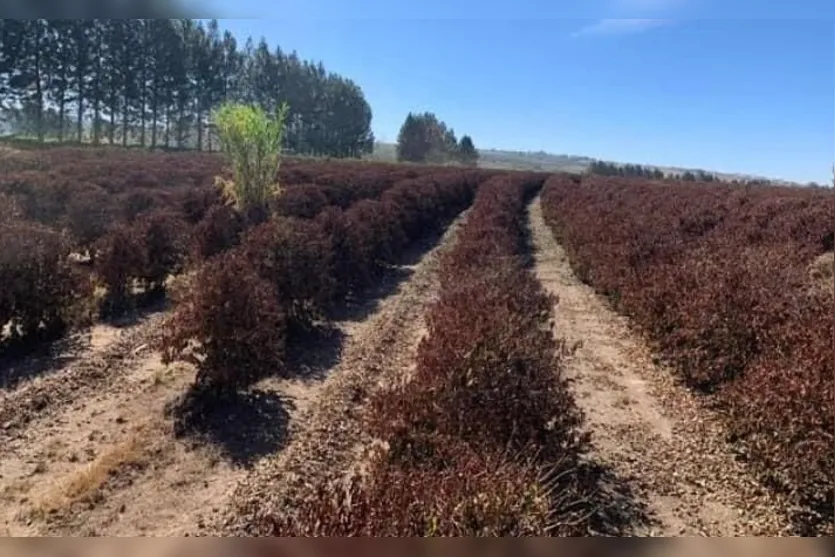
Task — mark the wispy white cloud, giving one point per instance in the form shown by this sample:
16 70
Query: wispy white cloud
620 26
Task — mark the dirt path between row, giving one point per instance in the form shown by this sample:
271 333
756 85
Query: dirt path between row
327 440
73 420
651 432
79 367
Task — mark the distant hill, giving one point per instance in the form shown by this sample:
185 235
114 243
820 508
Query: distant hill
547 162
511 160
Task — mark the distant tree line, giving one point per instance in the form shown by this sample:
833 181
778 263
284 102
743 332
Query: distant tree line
602 168
155 82
423 138
698 176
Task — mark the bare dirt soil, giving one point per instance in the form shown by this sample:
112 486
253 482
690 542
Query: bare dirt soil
656 436
100 438
71 417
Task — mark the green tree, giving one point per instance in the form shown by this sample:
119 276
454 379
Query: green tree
27 44
252 141
80 73
129 74
58 62
13 49
412 146
467 151
424 138
97 70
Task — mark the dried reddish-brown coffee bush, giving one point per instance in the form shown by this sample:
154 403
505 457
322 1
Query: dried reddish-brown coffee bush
379 232
486 384
220 230
302 201
229 325
135 203
294 255
195 202
90 213
717 276
779 408
487 360
162 236
352 262
475 495
118 262
42 292
489 365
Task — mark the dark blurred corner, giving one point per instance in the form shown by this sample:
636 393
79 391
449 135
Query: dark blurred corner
83 9
412 547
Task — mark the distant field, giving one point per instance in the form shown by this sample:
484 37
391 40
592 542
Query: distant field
506 160
526 161
540 161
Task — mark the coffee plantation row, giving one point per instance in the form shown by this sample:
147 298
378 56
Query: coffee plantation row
483 438
734 286
98 232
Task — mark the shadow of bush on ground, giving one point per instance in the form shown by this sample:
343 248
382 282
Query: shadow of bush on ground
312 353
361 305
244 426
22 362
612 506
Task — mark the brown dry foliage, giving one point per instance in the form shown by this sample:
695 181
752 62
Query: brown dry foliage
230 326
475 494
118 262
717 276
109 200
487 385
163 239
42 292
294 256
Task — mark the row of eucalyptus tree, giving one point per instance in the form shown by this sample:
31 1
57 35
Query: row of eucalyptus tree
154 82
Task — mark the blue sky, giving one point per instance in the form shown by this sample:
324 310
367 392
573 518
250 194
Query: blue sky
747 87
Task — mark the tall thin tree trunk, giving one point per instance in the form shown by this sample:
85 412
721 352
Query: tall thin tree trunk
97 119
199 130
80 122
180 118
39 93
154 119
62 105
154 129
168 127
97 100
125 124
80 111
113 109
142 121
97 115
112 131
